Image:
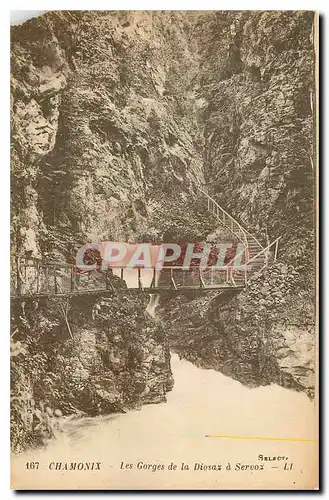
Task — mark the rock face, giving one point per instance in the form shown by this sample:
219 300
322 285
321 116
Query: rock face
262 335
115 117
101 125
257 83
102 139
103 356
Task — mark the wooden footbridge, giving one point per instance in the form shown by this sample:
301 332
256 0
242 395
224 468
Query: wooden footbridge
64 280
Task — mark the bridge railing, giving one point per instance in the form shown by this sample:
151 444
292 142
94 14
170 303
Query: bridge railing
197 277
45 279
230 222
245 237
266 251
226 219
52 279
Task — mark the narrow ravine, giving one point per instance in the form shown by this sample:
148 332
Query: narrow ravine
202 402
116 118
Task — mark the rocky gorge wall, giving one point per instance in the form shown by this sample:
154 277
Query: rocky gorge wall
263 335
102 134
257 80
116 116
101 142
101 356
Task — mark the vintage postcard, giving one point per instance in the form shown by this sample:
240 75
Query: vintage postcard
164 170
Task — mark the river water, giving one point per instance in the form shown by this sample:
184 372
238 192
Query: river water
202 403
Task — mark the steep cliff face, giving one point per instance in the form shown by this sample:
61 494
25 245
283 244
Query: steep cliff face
115 117
102 140
257 85
263 335
102 130
85 355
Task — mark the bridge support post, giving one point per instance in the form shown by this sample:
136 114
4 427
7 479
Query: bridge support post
18 278
202 283
140 284
172 279
72 279
38 277
152 284
276 249
55 281
229 275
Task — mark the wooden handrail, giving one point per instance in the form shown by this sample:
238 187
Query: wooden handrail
225 219
237 229
244 231
152 268
227 215
264 249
